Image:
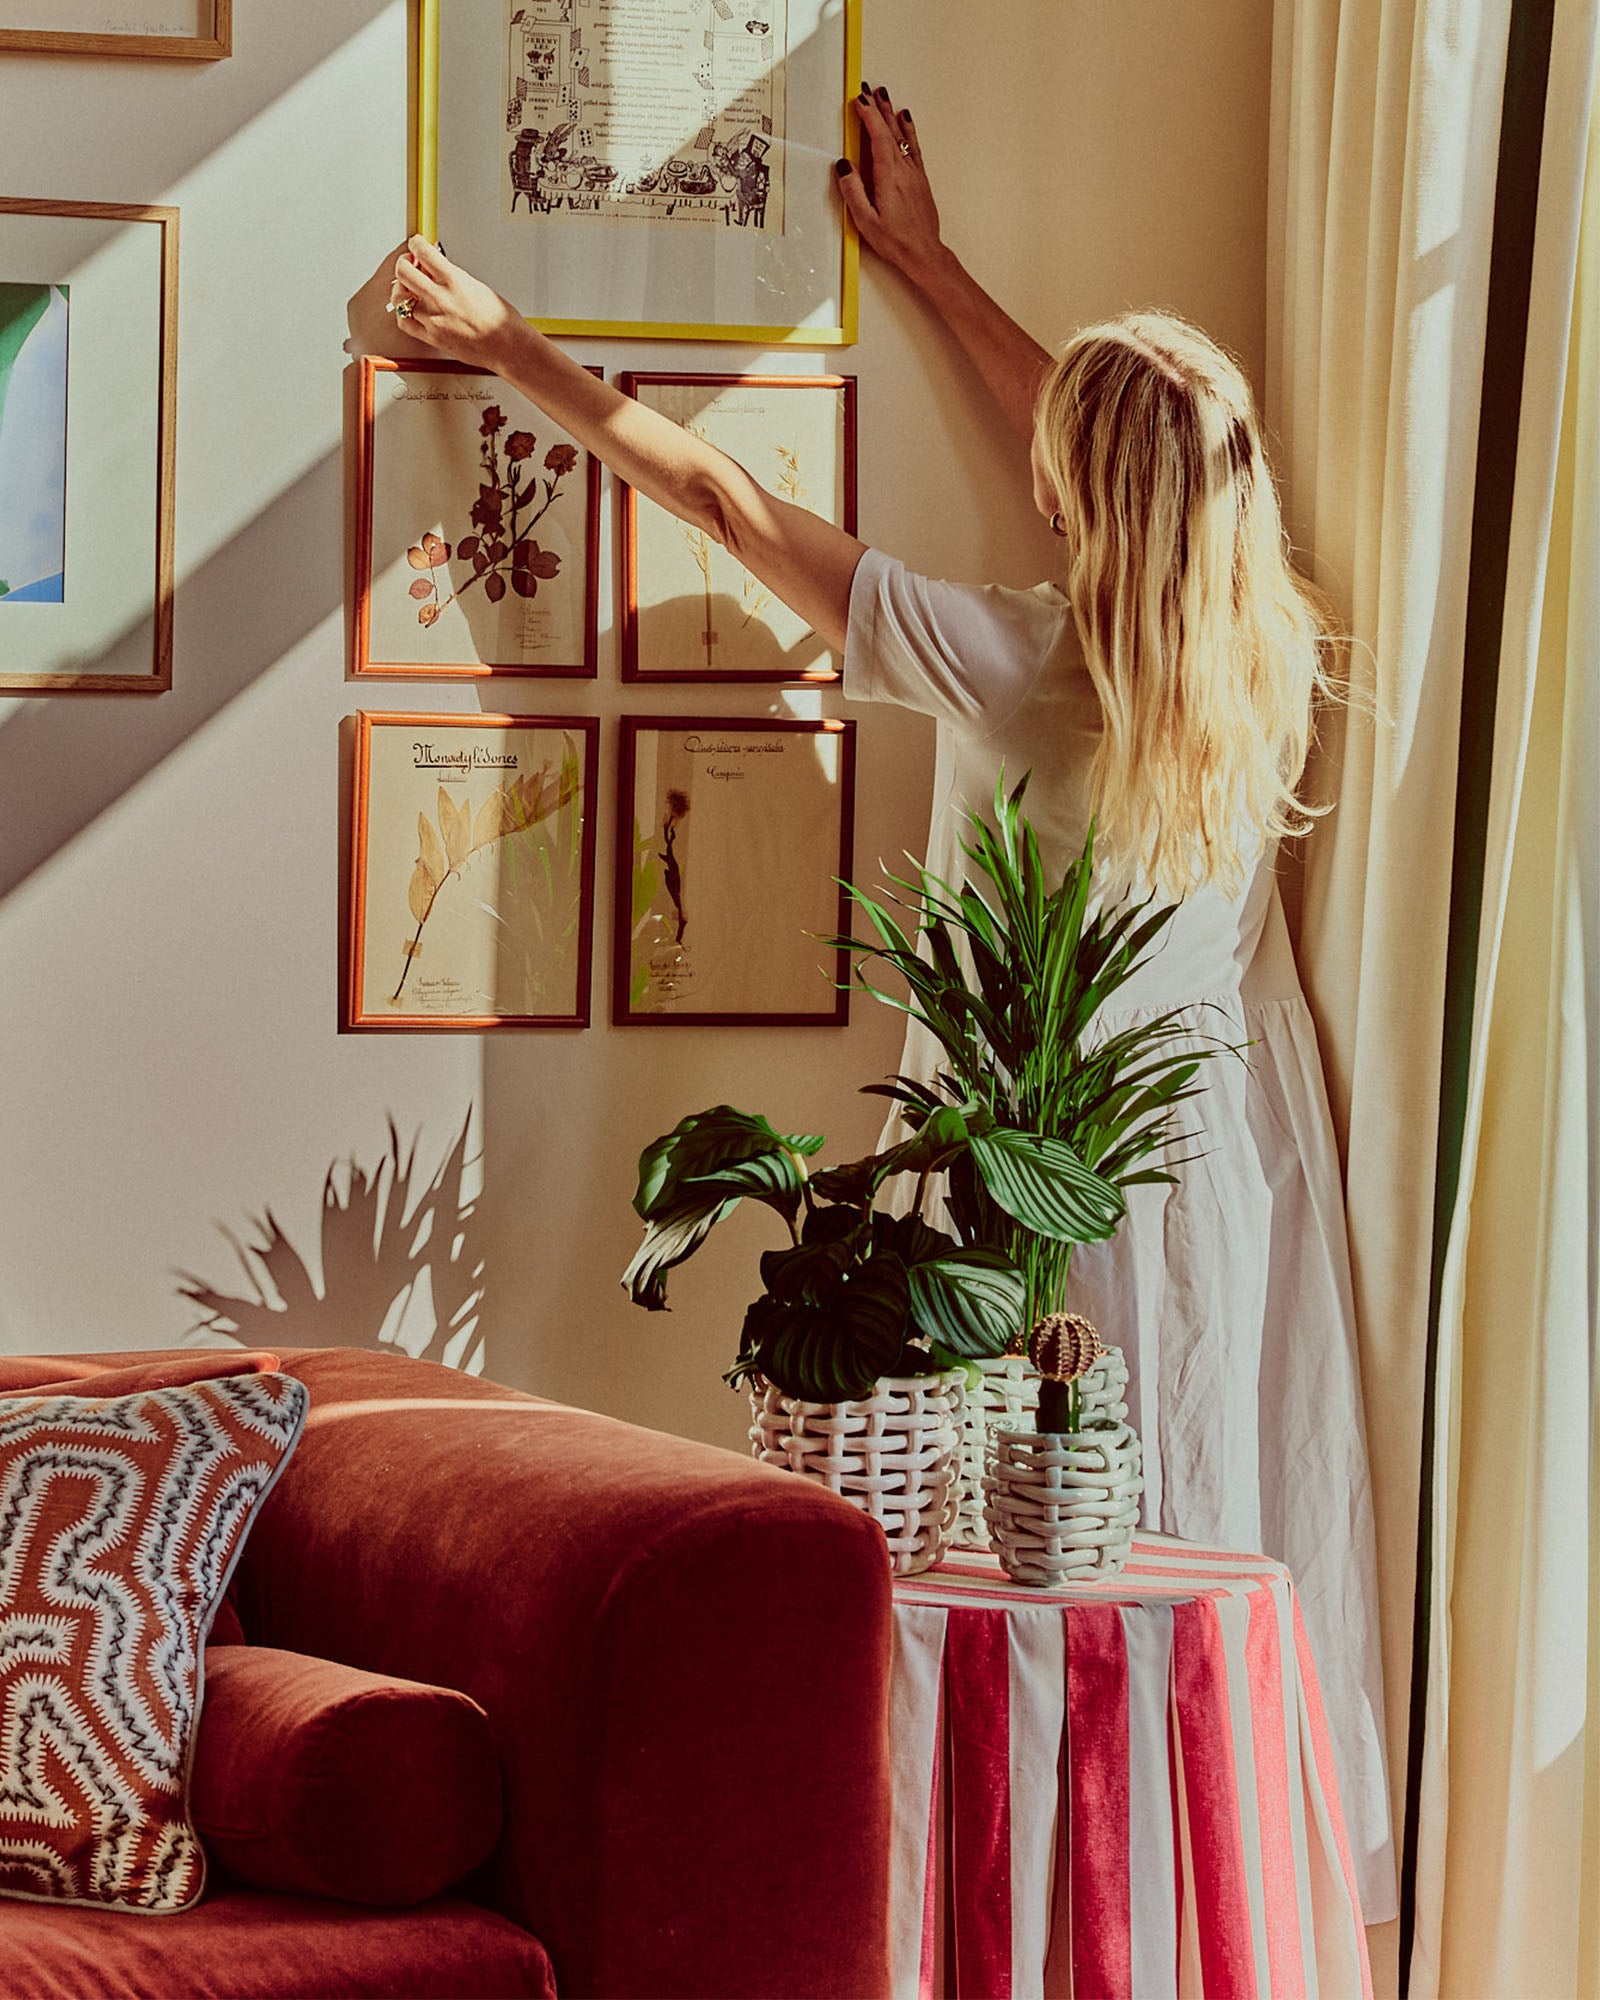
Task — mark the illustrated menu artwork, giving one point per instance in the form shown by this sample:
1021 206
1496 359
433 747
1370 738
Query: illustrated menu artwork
473 871
478 532
662 111
734 837
33 442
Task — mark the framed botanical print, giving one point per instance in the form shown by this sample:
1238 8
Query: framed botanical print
645 168
734 841
692 611
88 413
477 541
192 30
472 871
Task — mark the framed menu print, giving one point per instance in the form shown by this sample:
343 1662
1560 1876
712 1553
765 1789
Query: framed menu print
693 612
472 891
733 842
88 400
645 167
196 30
477 538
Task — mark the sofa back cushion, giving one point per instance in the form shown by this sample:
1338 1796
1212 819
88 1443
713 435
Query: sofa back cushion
318 1779
120 1521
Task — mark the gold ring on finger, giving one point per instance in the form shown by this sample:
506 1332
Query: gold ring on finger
905 149
406 309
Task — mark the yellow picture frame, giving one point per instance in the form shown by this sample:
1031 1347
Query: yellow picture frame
426 213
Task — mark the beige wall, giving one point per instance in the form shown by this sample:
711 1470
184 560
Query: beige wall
169 869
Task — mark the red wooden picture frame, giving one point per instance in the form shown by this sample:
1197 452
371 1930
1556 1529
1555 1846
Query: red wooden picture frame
586 727
630 384
364 667
623 1013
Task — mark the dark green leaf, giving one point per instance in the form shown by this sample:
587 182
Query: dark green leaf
668 1239
1043 1184
971 1301
697 1145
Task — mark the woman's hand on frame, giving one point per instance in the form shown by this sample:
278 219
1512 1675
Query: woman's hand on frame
446 307
890 198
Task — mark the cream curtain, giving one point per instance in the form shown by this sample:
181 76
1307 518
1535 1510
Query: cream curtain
1508 1886
1385 121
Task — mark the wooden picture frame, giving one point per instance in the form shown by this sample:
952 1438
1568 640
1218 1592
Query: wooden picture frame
522 820
212 47
118 377
491 69
811 418
440 400
755 881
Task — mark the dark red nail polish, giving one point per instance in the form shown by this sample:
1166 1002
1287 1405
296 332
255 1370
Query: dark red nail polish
841 168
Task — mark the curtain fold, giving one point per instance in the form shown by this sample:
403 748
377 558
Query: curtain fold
1508 1853
1385 123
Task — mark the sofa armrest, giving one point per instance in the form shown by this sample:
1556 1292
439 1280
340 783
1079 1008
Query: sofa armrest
685 1657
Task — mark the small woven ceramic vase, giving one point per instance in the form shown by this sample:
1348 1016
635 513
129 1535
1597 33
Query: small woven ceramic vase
1008 1401
1062 1505
895 1454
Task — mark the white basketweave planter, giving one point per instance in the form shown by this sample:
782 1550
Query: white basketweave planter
894 1454
1062 1505
1008 1400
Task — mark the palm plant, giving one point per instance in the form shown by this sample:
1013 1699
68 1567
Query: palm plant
1010 975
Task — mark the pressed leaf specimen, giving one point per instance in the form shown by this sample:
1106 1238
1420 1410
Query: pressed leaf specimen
463 830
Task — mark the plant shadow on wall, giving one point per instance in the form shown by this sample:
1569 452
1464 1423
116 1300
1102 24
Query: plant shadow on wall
398 1261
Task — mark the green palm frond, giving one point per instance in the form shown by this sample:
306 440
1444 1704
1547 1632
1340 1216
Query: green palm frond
1011 974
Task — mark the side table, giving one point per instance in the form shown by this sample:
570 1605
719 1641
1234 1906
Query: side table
1120 1790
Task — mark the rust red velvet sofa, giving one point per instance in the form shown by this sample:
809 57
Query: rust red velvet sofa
684 1657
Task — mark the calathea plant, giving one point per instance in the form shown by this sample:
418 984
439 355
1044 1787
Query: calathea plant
857 1293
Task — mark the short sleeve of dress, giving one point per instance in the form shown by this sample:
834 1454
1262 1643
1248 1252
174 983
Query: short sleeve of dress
966 654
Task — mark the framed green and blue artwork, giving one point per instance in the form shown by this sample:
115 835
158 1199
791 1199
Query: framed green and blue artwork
88 365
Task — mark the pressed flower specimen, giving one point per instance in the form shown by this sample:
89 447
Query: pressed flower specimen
499 549
671 871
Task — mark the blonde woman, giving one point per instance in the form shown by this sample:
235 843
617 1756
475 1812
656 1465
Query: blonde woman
1165 685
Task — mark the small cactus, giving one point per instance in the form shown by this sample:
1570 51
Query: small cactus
1063 1347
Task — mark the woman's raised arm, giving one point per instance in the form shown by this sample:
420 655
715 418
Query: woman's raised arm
803 559
894 209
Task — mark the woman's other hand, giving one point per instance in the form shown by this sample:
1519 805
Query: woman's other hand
890 197
447 308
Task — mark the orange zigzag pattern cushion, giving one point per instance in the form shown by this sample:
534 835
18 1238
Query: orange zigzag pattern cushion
120 1523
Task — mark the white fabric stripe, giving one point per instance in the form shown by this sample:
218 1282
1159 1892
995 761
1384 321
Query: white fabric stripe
1191 1982
1152 1888
918 1655
1233 1617
1038 1676
1338 1954
1288 1661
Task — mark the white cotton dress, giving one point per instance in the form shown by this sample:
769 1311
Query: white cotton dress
1229 1293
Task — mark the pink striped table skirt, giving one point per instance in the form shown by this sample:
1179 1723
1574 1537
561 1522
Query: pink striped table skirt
1116 1791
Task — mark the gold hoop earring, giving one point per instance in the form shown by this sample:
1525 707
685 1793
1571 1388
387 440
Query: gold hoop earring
1058 523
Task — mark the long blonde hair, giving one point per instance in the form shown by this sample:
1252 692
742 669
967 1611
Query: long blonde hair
1205 647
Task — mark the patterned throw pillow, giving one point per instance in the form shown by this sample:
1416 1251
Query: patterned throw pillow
120 1523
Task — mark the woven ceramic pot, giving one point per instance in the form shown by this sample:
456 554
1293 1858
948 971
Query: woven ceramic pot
895 1454
1061 1506
1007 1400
